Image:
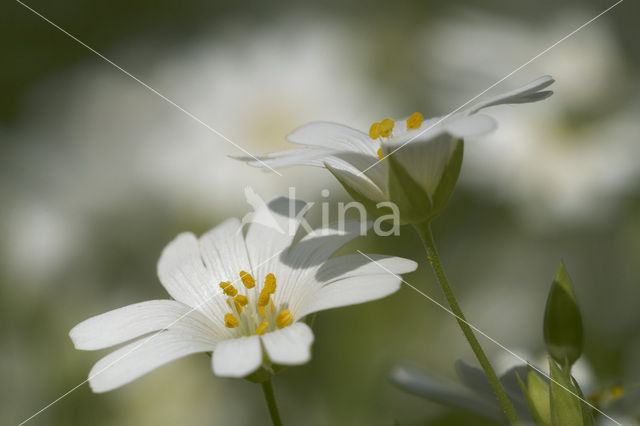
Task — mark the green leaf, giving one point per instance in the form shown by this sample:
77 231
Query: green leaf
537 396
566 408
449 178
532 408
411 198
562 321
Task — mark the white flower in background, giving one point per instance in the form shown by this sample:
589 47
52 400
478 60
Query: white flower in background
244 298
567 162
94 142
423 147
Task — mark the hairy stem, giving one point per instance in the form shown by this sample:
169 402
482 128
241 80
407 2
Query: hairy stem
424 230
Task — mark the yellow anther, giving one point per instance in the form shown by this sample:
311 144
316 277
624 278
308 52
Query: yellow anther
617 392
380 156
283 318
261 311
270 283
415 121
386 126
374 130
224 284
230 321
262 328
263 299
247 279
230 290
241 300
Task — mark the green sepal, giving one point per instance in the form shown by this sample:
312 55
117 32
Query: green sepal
369 204
536 393
449 178
261 375
411 198
562 321
587 411
566 408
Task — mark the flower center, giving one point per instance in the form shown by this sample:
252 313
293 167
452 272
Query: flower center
385 127
253 312
382 128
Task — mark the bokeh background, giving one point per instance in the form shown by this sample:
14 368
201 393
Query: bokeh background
97 174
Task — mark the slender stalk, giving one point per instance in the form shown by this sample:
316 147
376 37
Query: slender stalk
424 230
271 403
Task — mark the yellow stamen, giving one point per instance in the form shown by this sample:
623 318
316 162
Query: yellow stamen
247 279
374 131
230 321
271 303
270 283
261 311
415 121
283 318
224 284
241 299
230 290
386 126
617 392
238 307
380 156
262 328
263 299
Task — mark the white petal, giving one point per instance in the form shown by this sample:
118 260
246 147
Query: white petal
140 357
332 136
353 265
120 325
182 272
530 92
224 251
273 228
237 357
351 291
471 125
316 247
286 158
290 345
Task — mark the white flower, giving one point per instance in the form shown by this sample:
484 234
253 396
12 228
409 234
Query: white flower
424 148
244 298
571 162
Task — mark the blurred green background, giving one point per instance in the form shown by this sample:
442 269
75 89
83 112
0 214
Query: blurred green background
97 174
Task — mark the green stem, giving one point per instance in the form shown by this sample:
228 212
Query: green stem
271 403
424 230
